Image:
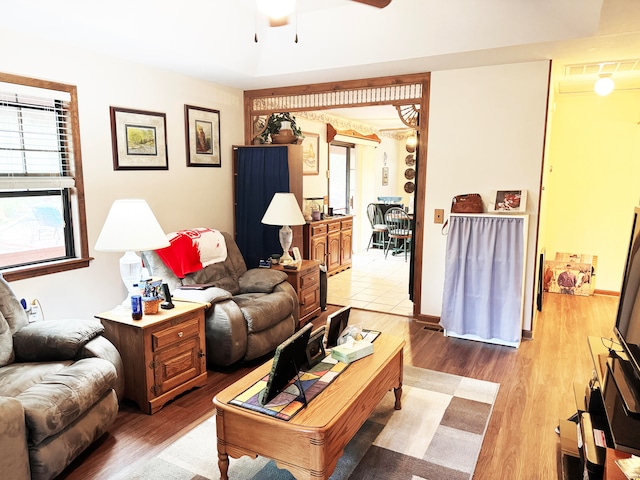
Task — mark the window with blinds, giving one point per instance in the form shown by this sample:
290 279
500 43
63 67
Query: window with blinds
38 188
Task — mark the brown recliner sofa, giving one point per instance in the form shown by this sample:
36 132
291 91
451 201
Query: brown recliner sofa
60 381
251 311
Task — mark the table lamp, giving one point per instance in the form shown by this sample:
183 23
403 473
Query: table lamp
131 226
284 210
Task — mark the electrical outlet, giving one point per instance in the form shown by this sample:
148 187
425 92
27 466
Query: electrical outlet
438 215
35 311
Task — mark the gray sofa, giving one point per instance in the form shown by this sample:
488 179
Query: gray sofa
60 381
251 313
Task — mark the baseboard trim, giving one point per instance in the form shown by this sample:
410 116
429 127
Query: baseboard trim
610 293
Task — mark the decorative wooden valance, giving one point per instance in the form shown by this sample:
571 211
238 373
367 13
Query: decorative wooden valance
332 133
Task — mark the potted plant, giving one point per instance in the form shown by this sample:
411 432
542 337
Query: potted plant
275 124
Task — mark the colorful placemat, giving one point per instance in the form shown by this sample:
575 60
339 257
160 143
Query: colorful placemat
290 401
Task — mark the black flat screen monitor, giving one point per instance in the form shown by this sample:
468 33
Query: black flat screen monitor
336 323
290 356
627 327
628 318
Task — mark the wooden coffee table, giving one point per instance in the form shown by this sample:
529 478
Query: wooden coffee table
310 444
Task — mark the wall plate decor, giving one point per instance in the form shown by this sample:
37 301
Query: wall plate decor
138 139
385 176
310 154
409 174
202 131
409 187
410 160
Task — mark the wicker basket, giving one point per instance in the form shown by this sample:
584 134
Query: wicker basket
150 307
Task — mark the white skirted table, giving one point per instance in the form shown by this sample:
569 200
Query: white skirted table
484 279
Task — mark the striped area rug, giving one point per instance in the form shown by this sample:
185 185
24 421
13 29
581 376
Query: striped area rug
437 435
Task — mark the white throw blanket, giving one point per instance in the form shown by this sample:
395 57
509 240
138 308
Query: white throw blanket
192 250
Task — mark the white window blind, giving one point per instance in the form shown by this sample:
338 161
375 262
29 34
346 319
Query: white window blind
36 146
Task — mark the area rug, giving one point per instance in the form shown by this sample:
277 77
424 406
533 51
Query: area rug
437 435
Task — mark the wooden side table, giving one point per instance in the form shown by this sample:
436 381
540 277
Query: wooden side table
162 354
305 279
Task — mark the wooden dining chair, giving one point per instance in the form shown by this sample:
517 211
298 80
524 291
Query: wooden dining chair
378 226
398 230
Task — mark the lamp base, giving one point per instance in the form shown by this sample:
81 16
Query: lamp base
286 260
130 271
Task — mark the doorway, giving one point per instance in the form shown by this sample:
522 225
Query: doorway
341 181
409 94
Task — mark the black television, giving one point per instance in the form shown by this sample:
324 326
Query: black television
289 358
627 327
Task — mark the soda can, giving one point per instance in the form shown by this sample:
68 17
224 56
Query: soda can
136 307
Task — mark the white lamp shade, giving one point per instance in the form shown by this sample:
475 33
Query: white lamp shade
283 210
131 225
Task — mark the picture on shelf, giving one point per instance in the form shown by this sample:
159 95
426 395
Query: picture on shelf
513 201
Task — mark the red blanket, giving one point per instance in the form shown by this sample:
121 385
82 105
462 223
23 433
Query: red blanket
192 250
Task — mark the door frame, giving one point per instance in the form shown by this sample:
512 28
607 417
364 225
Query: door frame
408 93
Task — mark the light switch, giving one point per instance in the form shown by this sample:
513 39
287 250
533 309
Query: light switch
438 215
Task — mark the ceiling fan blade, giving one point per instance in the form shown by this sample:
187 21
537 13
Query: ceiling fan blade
375 3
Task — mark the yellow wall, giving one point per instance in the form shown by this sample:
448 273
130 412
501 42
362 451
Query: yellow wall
592 179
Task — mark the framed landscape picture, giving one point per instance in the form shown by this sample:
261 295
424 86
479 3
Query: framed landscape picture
138 139
202 130
310 154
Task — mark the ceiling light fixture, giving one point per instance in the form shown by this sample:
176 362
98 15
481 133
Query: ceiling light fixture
604 85
278 11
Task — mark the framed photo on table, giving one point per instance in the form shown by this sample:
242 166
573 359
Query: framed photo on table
202 131
138 139
310 154
510 201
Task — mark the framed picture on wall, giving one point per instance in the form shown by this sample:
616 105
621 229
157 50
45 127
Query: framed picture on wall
138 139
310 154
510 201
202 131
385 176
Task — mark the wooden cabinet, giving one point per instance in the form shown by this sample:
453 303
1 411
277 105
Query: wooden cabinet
162 354
330 242
306 282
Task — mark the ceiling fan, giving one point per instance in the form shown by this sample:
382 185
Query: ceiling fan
278 11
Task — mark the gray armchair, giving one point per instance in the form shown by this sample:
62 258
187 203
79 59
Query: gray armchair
60 381
251 311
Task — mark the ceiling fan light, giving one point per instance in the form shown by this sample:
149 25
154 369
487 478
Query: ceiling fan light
277 10
604 85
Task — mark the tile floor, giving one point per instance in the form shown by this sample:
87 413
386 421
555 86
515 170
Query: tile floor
373 283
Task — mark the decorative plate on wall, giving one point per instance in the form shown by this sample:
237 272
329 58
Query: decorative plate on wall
409 187
409 174
410 160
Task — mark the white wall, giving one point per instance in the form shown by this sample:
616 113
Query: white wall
486 132
180 197
592 179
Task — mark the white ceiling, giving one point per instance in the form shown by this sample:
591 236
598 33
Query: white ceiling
342 39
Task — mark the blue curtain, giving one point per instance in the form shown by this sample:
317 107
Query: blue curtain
262 171
483 277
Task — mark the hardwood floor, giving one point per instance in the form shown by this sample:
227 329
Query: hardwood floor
535 391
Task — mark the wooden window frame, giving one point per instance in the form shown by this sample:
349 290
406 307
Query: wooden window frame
81 258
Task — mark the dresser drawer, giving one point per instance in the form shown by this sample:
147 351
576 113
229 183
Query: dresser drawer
334 227
310 279
318 229
347 224
174 334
